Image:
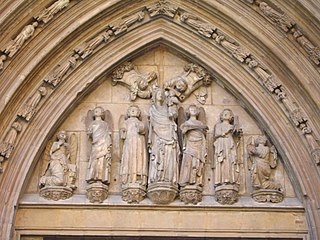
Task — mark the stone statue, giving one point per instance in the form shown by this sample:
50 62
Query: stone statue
278 18
89 47
124 24
61 70
237 52
23 36
134 161
205 29
58 180
7 146
47 14
194 156
30 106
99 131
262 159
138 84
226 132
164 151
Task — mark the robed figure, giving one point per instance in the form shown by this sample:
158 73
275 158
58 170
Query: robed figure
163 142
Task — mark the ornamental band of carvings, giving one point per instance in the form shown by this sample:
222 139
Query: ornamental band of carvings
48 13
58 180
203 28
123 25
162 8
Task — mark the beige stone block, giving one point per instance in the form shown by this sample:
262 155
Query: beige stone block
147 58
81 178
34 179
76 120
102 94
115 181
84 147
289 190
208 183
173 59
221 96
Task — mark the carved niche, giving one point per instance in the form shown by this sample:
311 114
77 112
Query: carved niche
58 179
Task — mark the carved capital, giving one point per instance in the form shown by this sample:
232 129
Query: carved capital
97 192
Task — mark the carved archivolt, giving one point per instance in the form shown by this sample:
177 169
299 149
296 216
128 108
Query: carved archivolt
212 34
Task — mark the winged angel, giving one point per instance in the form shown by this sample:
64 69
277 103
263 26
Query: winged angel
60 169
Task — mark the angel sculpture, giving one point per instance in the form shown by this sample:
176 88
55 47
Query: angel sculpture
134 160
138 84
60 171
194 148
226 134
100 157
262 159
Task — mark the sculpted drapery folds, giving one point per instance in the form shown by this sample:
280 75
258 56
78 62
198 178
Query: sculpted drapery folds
225 154
163 142
262 160
194 149
100 157
134 159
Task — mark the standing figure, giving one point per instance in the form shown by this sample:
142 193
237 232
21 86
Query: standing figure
226 161
134 161
164 151
194 156
101 152
58 180
262 159
47 14
23 36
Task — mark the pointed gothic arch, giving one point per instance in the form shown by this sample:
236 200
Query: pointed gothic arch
183 40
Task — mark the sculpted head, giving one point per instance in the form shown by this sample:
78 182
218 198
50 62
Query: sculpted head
181 85
159 95
260 140
133 111
98 112
192 110
226 114
62 135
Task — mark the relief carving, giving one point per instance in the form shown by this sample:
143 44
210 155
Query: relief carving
134 161
58 180
7 146
87 49
123 25
30 107
164 151
262 159
14 45
185 84
194 148
205 29
47 14
162 7
138 84
227 133
313 51
55 77
280 19
237 51
99 130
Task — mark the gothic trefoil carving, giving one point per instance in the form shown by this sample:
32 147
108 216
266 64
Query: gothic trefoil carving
194 148
140 85
7 146
134 160
99 130
262 159
123 25
58 180
227 133
162 7
48 13
30 107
